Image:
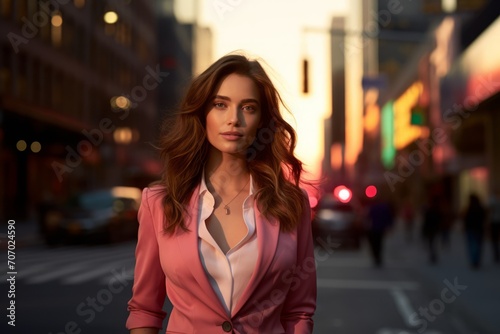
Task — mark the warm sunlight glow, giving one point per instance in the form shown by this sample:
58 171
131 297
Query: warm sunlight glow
336 156
372 112
354 75
440 56
281 40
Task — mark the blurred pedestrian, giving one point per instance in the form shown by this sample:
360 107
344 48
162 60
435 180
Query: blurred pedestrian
380 217
474 219
431 226
447 220
494 220
227 222
408 217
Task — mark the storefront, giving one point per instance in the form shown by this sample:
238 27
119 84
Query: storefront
470 105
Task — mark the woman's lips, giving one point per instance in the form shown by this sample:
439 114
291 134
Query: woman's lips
232 136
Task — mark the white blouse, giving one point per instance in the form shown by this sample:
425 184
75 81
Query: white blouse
228 273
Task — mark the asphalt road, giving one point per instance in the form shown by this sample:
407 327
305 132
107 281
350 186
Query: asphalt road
85 290
355 297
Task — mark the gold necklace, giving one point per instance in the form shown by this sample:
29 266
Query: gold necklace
227 210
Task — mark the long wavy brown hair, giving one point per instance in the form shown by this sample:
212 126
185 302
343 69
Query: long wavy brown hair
183 146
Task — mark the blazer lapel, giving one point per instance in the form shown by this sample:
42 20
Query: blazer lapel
267 241
188 245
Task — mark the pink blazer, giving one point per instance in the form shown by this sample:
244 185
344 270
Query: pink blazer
280 298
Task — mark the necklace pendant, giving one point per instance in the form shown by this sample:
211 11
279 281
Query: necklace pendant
226 208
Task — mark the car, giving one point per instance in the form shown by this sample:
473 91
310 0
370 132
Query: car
337 222
105 215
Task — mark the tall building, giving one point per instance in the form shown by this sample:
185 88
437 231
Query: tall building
393 34
335 169
185 50
78 95
469 105
436 128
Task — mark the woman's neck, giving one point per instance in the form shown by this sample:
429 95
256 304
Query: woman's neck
226 172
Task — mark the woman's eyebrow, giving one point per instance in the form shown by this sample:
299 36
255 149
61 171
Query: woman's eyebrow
227 98
251 100
221 97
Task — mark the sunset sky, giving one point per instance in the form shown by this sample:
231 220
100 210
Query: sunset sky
282 33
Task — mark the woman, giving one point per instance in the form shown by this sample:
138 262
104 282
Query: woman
226 232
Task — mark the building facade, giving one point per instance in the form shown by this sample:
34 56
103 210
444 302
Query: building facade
439 113
78 95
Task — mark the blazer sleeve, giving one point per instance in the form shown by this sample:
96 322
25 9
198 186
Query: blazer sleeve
300 303
148 292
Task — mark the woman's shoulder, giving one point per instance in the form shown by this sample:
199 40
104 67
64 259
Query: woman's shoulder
153 194
152 202
309 197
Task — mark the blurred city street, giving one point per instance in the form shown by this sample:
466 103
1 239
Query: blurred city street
396 108
406 294
87 288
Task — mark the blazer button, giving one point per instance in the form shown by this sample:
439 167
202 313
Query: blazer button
227 327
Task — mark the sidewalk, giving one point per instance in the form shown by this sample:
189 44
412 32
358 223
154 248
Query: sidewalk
478 303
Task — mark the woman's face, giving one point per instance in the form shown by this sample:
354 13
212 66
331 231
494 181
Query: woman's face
234 115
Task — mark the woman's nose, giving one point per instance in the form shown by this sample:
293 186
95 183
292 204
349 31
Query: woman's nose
232 116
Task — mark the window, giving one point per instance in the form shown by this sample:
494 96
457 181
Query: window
45 31
57 90
79 3
79 100
45 85
70 100
32 9
5 71
36 82
6 8
56 28
69 37
22 10
80 51
22 77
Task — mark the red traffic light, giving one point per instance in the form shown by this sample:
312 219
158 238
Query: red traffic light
371 191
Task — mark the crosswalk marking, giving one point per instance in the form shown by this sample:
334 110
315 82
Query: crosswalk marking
366 284
405 331
72 265
35 255
41 262
72 268
355 262
404 306
97 272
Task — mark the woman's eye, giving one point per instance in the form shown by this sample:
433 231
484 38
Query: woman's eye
248 108
219 105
